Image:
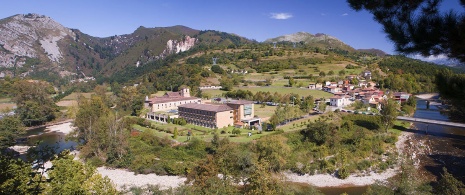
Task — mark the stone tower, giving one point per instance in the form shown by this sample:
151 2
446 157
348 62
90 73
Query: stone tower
185 92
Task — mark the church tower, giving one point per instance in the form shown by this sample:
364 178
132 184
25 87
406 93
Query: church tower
185 92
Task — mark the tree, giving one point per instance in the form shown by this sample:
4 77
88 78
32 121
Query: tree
322 74
331 73
102 133
291 82
226 83
448 185
274 150
318 132
34 104
307 104
15 176
418 26
262 181
217 69
175 133
388 113
73 177
451 87
11 128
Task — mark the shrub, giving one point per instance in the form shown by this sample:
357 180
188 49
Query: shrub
363 165
343 173
236 131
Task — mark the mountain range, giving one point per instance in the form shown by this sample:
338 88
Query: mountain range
34 45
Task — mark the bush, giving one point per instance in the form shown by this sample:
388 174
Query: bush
236 131
343 173
363 165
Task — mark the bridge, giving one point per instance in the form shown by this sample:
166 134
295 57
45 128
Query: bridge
429 121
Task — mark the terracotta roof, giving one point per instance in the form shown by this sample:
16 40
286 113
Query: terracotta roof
157 100
336 97
207 107
172 94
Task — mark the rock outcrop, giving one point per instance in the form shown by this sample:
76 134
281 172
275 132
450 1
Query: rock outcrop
31 36
174 46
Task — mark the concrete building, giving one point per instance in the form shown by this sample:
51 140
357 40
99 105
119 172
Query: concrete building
237 113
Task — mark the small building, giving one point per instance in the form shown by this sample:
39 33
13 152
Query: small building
339 101
315 86
401 96
366 74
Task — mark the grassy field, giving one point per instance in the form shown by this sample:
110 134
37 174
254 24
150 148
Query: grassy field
273 89
264 112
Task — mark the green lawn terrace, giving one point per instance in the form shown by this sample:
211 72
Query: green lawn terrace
272 89
166 130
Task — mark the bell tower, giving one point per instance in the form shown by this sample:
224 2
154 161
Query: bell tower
185 92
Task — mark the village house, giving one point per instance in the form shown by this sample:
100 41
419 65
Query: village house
366 74
315 86
401 96
339 100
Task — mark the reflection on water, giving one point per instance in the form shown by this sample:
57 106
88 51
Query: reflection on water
54 140
431 113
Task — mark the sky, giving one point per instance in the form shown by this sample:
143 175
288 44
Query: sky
253 19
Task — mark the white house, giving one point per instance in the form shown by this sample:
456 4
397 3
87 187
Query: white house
339 101
317 86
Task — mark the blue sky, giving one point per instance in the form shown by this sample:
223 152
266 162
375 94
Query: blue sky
254 19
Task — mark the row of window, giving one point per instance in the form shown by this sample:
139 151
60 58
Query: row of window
174 104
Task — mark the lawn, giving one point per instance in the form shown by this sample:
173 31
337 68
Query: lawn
75 95
299 124
264 112
273 89
202 133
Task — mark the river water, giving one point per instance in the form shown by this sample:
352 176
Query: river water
444 146
41 137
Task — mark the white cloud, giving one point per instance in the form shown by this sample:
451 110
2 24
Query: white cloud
323 14
281 16
345 14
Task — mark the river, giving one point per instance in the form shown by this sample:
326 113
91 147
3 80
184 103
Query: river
44 137
443 146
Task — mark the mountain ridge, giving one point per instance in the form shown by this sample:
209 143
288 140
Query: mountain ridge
38 45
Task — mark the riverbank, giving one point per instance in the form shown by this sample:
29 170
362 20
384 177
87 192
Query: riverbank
124 179
326 180
65 128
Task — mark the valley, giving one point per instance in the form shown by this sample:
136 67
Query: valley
306 106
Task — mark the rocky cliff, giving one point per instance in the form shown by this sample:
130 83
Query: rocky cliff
31 36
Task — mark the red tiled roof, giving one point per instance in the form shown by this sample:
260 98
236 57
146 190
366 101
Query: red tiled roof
172 94
207 107
157 100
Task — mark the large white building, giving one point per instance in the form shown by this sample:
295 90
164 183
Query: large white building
171 100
